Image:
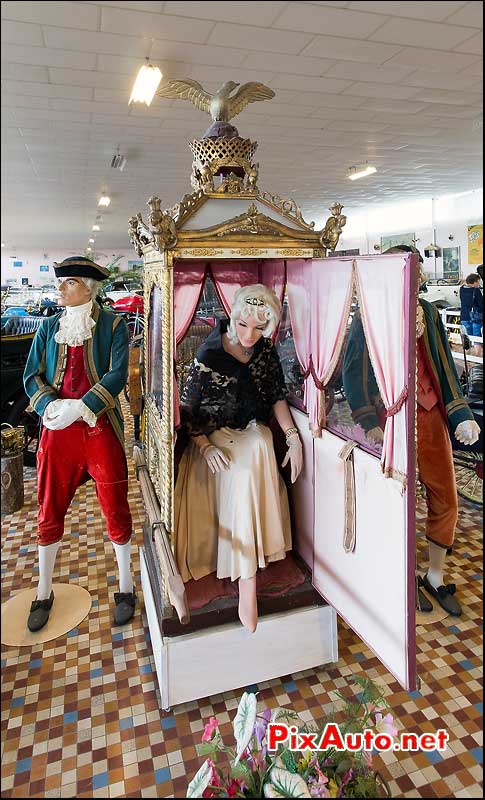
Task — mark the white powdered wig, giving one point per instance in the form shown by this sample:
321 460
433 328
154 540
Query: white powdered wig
95 286
257 301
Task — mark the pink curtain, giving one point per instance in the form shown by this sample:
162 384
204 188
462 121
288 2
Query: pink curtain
299 278
319 296
229 276
331 296
381 292
188 282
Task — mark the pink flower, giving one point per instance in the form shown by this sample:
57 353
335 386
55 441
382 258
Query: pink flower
234 787
209 729
385 724
322 778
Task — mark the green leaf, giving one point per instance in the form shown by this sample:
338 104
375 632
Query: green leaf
287 715
200 781
244 723
285 784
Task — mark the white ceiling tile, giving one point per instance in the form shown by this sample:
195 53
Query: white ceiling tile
23 72
475 69
42 56
382 90
198 54
309 84
433 59
388 73
49 90
154 7
454 98
350 49
297 65
21 33
236 11
23 101
415 9
330 21
219 75
157 26
64 15
437 80
108 80
396 106
253 38
331 103
471 14
438 109
422 34
88 42
473 45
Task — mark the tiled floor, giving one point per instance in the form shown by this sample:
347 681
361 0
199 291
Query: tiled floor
81 717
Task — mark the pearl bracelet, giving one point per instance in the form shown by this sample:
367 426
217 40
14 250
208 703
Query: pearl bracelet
290 432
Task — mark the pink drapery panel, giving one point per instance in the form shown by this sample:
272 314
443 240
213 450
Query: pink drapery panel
381 297
188 281
229 276
273 275
299 290
331 296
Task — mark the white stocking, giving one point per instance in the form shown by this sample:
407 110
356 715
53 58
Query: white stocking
437 557
123 557
47 559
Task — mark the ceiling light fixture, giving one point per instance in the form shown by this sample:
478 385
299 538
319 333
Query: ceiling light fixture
104 201
3 244
95 228
146 84
362 172
91 241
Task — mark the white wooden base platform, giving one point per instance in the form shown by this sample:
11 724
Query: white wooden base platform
228 657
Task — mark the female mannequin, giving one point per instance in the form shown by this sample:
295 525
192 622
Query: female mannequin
231 506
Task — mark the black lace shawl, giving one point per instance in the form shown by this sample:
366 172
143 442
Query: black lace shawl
221 392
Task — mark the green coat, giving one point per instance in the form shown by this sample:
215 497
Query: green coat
105 359
360 384
441 366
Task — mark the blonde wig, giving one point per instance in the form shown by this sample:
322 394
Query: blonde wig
259 302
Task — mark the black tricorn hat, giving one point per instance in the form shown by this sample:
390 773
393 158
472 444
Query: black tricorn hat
80 267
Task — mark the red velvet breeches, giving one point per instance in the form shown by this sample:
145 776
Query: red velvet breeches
436 471
65 460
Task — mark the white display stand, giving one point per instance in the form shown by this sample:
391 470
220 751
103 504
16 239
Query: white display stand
227 657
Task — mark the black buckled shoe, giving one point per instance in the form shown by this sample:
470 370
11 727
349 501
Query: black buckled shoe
39 613
124 607
445 596
422 602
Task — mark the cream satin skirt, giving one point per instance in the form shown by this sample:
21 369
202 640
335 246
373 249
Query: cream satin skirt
237 520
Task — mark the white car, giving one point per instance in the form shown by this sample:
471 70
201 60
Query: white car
122 288
446 293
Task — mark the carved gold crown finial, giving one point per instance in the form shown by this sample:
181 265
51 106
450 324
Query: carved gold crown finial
255 301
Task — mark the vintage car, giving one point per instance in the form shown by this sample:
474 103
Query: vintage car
353 506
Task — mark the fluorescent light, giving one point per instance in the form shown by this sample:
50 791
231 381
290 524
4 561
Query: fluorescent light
91 241
3 244
146 84
361 173
95 228
89 249
104 201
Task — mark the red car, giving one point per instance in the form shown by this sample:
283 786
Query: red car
129 304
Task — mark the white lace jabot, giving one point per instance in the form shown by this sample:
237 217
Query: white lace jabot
75 325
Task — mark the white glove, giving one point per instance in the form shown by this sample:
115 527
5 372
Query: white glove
61 413
467 432
215 458
294 455
375 435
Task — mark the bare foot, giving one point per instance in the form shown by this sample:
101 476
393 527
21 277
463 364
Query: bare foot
248 605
